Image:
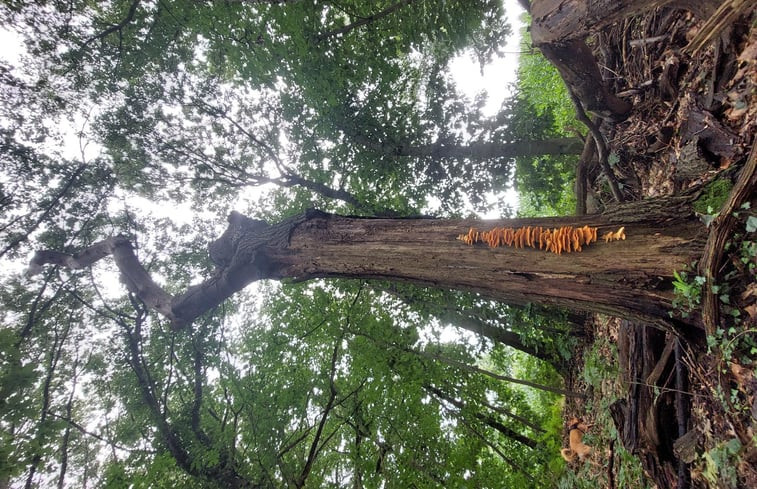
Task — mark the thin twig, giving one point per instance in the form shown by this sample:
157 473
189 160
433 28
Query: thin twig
84 431
115 27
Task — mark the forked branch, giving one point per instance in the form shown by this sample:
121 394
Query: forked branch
240 256
133 274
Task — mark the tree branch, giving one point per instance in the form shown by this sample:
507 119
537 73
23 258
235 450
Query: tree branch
498 451
488 420
719 234
133 274
48 209
288 177
115 27
314 447
239 253
223 472
505 378
197 400
475 151
601 145
581 176
81 429
366 20
514 416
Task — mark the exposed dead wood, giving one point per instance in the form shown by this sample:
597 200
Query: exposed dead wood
709 133
723 17
646 419
682 414
662 235
611 466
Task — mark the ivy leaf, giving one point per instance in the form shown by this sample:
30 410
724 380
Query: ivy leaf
751 224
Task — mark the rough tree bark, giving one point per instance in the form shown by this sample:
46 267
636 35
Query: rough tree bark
628 278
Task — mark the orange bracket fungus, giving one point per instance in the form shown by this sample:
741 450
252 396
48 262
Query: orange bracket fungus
556 240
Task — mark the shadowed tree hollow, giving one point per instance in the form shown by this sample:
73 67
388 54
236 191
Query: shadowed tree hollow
630 278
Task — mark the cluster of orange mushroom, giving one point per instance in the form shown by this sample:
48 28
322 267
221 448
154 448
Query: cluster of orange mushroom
556 240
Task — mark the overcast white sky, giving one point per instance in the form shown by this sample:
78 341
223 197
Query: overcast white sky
498 75
496 80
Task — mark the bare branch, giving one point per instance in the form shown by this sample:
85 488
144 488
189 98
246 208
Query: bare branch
601 145
133 274
240 253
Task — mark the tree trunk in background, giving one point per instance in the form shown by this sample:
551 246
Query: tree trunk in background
479 151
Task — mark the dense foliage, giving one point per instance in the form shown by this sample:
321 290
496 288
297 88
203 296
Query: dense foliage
545 184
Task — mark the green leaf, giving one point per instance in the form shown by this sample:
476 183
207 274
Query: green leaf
733 446
751 224
707 219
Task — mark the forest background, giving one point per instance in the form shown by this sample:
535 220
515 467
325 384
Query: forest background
187 110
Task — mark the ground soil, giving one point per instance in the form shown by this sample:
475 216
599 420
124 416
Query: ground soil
684 405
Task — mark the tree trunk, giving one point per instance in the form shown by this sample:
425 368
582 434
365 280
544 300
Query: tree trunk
562 20
504 333
630 278
498 334
478 151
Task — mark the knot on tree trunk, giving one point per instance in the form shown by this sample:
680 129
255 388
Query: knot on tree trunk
227 248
